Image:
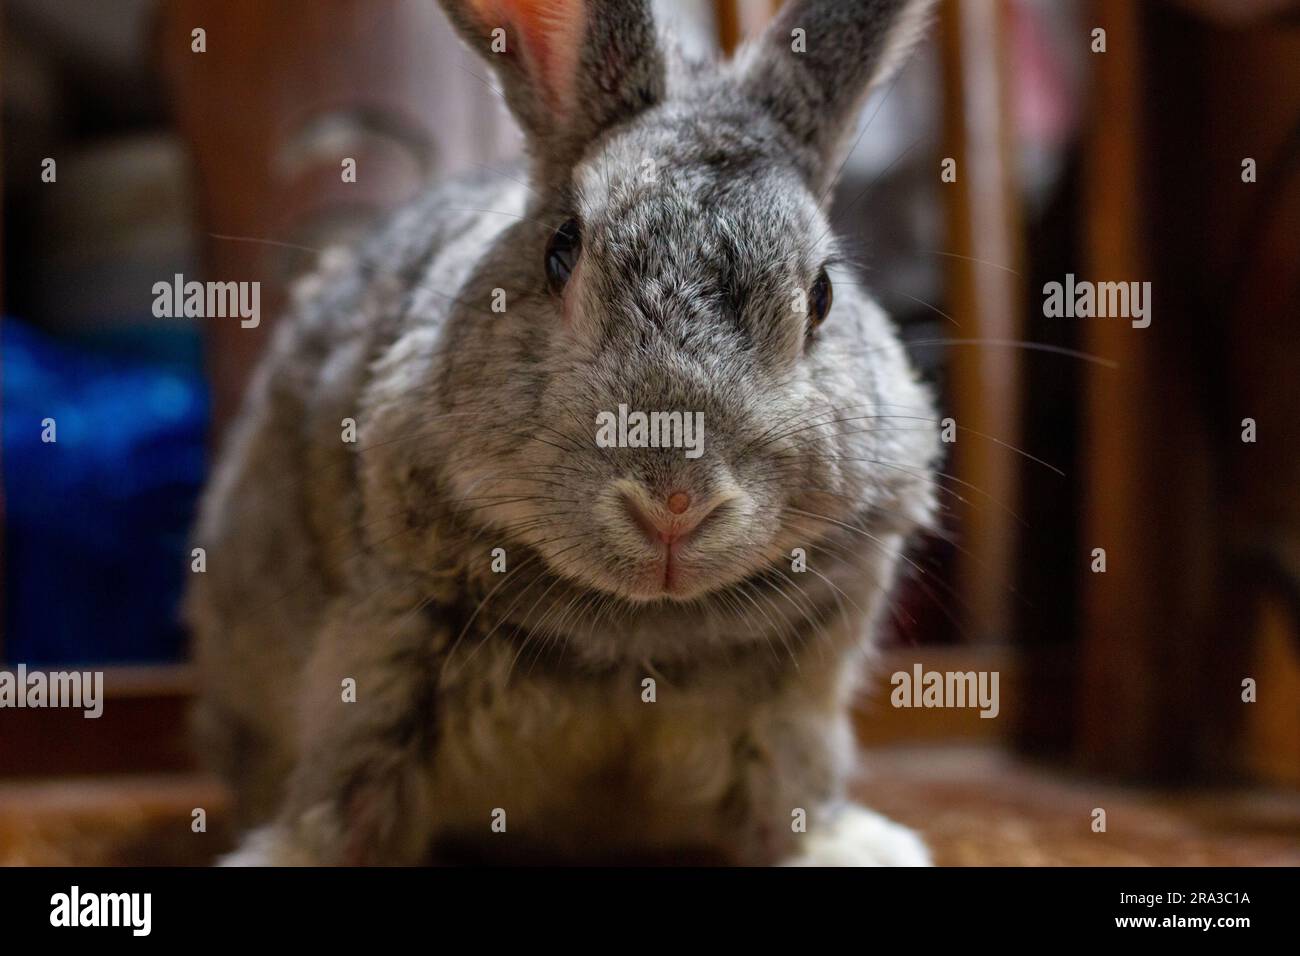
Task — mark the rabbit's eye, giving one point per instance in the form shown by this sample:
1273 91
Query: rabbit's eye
562 255
819 300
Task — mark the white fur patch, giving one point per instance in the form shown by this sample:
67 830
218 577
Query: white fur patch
265 847
857 836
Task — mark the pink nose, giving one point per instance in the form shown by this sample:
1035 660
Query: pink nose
662 526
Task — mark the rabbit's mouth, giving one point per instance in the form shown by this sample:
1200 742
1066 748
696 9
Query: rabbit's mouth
675 546
670 578
670 532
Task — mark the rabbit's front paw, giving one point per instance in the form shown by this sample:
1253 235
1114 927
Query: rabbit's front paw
268 846
855 836
317 836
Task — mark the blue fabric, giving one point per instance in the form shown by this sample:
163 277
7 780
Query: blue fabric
96 524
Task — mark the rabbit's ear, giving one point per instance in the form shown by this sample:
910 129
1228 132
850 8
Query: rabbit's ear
817 62
570 68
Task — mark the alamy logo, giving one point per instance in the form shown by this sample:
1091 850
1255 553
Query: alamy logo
922 688
208 300
74 908
651 430
1087 300
75 689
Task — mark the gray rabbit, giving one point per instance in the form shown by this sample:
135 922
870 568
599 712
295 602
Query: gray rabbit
510 619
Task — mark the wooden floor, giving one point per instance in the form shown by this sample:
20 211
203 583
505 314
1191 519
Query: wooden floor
975 807
981 808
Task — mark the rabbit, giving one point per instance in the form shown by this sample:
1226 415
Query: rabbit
439 619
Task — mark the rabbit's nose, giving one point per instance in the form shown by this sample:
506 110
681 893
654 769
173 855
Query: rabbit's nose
670 523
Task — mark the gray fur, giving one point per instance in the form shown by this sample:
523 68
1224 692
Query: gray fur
848 48
522 691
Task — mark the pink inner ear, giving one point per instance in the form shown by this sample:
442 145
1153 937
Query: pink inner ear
548 34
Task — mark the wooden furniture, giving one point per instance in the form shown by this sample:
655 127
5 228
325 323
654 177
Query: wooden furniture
985 297
1202 529
282 96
